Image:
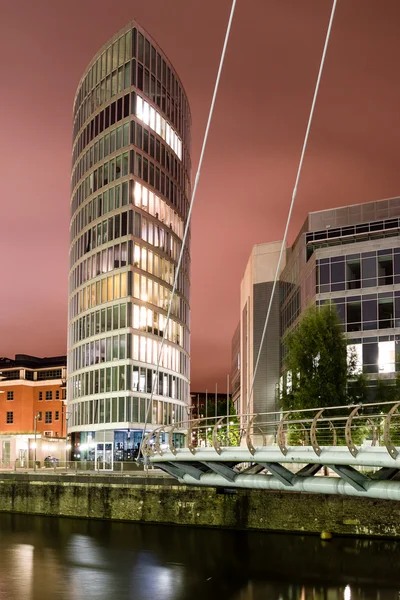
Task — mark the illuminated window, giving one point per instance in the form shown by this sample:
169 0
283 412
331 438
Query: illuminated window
124 285
148 115
135 380
386 357
139 108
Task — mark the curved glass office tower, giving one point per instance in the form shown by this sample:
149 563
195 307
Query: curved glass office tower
129 203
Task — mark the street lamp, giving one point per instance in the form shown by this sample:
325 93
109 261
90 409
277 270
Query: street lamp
67 445
35 418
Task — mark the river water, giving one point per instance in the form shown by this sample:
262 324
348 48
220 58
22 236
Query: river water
67 559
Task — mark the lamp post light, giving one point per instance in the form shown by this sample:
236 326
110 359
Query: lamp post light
67 446
35 418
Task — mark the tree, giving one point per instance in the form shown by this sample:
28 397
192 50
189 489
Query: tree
318 361
229 428
384 390
357 389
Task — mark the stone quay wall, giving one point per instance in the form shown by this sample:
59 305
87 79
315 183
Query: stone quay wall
162 500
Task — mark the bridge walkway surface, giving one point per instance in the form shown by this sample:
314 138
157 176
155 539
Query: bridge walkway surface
345 450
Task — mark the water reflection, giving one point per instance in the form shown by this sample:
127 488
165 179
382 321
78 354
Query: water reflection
59 559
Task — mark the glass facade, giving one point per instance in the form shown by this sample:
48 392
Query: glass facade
130 188
356 265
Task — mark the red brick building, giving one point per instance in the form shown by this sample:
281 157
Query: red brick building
32 408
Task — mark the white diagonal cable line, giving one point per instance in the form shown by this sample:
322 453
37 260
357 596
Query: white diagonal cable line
294 193
196 182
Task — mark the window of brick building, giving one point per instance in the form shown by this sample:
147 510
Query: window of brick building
10 417
48 416
10 395
57 417
49 395
57 394
40 395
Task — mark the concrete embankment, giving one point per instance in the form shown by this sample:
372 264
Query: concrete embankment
161 500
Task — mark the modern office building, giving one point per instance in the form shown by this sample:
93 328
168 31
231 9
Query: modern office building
349 256
129 205
255 293
32 408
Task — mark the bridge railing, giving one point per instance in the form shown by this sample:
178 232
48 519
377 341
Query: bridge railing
374 424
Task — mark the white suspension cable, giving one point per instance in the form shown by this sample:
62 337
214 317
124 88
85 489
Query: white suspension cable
196 182
283 246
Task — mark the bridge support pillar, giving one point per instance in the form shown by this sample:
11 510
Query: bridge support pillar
281 473
309 470
221 469
385 474
352 476
178 470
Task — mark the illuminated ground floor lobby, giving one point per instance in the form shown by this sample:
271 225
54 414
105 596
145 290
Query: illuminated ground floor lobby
22 450
112 445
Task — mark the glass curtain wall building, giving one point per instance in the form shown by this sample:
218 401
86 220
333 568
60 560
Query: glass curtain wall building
129 203
350 256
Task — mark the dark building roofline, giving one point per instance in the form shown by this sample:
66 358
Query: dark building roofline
351 214
32 362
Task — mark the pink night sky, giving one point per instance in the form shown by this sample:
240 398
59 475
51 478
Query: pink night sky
252 156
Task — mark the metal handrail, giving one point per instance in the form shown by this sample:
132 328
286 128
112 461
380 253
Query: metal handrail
317 423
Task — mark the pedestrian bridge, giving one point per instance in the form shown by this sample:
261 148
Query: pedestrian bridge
352 450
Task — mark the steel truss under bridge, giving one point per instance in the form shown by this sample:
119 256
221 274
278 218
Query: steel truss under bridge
349 450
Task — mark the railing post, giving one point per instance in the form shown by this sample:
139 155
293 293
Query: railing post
249 442
281 434
386 432
313 433
347 432
215 441
190 434
171 441
157 444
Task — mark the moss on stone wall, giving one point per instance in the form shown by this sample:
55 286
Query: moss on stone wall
165 502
